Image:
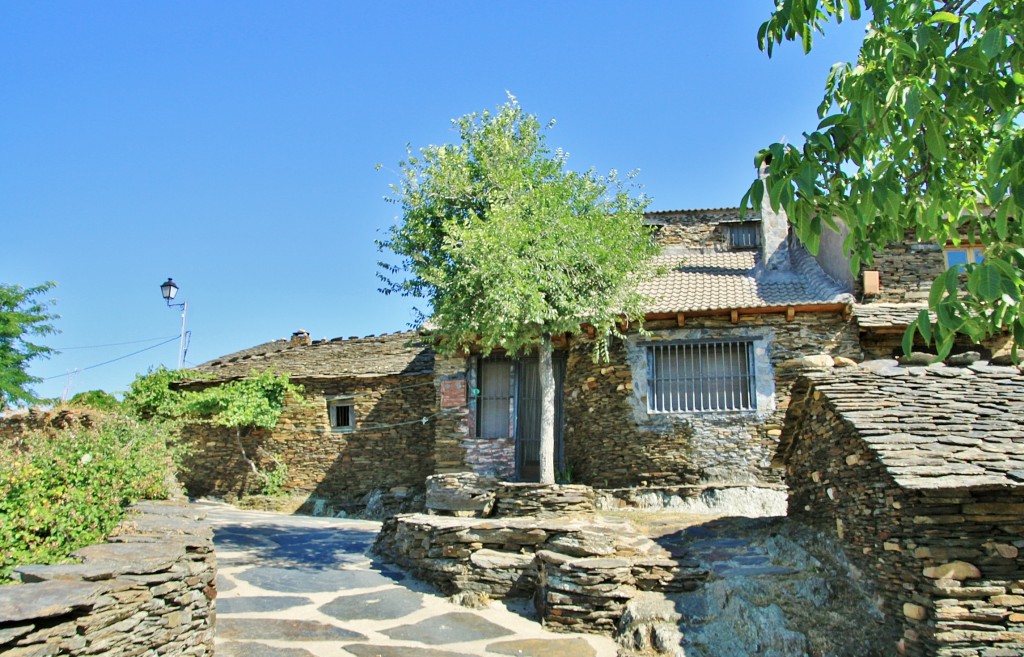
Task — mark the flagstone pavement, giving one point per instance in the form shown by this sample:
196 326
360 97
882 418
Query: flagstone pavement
298 586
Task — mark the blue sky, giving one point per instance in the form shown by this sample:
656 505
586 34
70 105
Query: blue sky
232 145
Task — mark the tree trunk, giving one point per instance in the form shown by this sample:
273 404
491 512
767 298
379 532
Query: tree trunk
547 411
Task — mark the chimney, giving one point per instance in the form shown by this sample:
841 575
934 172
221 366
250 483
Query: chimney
774 231
300 339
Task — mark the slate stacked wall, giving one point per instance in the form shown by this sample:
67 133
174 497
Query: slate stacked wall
906 270
390 447
607 445
946 561
150 590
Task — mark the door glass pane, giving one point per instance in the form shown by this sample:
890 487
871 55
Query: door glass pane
494 399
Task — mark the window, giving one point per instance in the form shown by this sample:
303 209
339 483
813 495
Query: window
958 256
745 236
494 400
701 376
343 415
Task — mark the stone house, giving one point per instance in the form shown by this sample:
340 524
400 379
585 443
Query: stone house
920 472
365 422
697 399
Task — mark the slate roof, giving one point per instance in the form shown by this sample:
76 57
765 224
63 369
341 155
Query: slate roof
382 355
704 280
935 427
886 315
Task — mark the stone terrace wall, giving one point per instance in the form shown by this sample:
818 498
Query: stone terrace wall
946 560
390 446
607 447
149 590
582 572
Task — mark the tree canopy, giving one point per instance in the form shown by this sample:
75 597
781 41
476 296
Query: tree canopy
923 134
24 314
509 247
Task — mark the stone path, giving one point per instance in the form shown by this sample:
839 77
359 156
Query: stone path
297 586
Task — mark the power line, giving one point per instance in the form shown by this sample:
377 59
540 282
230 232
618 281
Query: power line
112 344
113 360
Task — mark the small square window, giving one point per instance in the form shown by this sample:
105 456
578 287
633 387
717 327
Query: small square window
745 236
342 415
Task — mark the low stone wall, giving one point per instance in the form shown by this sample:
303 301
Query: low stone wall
149 590
711 500
468 495
581 572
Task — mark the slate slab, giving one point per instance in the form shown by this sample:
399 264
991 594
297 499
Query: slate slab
379 605
312 580
448 628
367 650
253 649
544 648
260 603
279 629
45 599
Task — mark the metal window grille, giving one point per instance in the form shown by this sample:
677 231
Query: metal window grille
494 402
744 236
342 416
701 377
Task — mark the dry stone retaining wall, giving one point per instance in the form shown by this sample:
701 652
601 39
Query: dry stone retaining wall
947 560
149 590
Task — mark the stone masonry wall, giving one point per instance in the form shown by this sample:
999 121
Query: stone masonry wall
149 590
946 561
611 442
906 270
704 229
390 445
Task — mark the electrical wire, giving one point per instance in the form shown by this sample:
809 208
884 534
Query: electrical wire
112 344
112 360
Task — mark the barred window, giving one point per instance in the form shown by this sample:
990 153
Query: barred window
702 376
342 415
493 404
746 235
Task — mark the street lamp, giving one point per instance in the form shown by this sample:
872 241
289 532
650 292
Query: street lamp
168 290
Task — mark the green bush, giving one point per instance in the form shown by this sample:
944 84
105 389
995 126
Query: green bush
62 490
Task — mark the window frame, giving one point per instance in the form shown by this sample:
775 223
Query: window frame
973 254
741 228
483 396
333 405
732 390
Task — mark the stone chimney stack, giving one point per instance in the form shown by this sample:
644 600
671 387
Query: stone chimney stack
300 339
774 232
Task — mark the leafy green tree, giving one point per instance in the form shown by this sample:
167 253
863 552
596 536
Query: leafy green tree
99 400
23 314
510 248
922 133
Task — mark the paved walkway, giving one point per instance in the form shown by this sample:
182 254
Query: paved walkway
296 586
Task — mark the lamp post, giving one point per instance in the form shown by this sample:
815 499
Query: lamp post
168 290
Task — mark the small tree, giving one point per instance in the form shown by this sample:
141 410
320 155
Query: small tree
510 248
22 315
922 133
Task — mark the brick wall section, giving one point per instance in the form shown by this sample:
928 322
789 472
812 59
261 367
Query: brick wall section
389 447
942 541
606 445
149 590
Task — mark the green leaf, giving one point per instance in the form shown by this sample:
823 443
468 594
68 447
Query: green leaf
913 103
985 282
944 17
992 43
924 325
935 141
908 338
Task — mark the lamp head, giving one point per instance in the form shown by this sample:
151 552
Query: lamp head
168 290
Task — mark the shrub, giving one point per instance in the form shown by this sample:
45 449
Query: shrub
65 489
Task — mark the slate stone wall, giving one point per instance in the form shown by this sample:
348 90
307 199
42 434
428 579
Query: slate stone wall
390 446
700 229
906 270
150 590
946 560
610 441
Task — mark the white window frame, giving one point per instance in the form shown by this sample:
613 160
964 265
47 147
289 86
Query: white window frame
332 408
709 376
